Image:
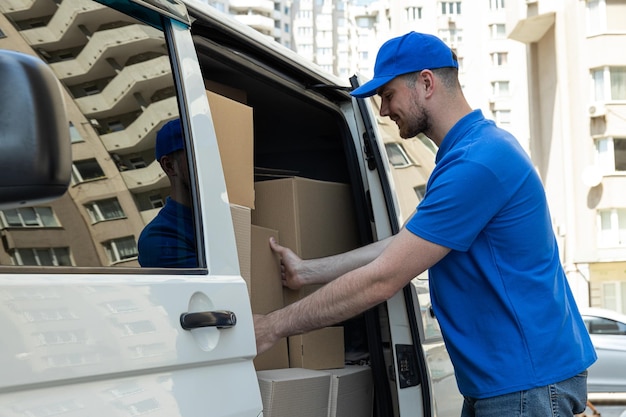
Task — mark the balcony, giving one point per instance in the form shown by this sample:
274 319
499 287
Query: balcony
119 96
141 134
262 24
64 29
118 44
20 10
532 29
246 6
145 179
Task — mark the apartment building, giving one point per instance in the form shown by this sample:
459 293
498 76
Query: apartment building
272 18
119 92
577 79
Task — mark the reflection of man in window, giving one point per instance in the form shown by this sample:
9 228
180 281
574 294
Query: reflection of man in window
168 240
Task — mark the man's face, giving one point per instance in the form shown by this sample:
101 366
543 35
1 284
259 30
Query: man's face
401 101
182 168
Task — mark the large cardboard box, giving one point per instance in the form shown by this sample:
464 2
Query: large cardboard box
233 124
351 392
266 293
314 218
294 392
242 226
266 288
276 357
319 349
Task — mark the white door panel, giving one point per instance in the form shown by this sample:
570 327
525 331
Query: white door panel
109 344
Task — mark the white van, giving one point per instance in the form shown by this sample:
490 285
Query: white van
85 330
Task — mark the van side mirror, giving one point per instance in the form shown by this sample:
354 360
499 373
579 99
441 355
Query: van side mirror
35 154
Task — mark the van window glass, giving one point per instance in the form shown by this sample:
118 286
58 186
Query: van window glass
120 92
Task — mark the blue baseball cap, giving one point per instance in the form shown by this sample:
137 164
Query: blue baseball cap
169 139
412 52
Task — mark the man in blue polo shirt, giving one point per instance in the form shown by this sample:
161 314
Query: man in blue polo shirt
483 230
168 240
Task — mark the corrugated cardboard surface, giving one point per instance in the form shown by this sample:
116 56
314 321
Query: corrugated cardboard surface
351 392
319 349
266 293
294 392
314 218
233 124
241 224
266 286
277 357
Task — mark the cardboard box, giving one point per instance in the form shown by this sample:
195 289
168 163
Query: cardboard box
351 392
319 349
227 91
242 226
266 293
266 288
233 124
294 392
314 218
277 357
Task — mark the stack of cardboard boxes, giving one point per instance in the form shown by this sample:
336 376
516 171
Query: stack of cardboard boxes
314 219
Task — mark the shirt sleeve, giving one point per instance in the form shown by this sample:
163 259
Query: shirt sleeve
461 199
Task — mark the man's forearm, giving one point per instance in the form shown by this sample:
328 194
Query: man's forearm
324 270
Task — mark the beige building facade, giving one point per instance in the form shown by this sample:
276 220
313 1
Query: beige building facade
577 90
119 92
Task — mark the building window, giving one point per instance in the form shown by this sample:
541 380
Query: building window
115 126
137 162
156 201
497 31
500 88
42 257
420 191
611 154
499 59
450 7
496 4
102 210
74 134
121 249
614 297
29 217
413 14
609 84
594 14
139 327
612 227
502 117
86 170
396 155
91 89
453 37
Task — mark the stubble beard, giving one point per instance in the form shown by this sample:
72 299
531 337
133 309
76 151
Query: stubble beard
418 121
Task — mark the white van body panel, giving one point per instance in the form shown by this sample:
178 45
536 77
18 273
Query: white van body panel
106 344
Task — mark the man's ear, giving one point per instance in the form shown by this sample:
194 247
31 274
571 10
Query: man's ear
167 164
427 79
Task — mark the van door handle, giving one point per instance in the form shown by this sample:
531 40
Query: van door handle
220 319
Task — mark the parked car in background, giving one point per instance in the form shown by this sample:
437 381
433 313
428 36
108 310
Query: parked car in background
608 334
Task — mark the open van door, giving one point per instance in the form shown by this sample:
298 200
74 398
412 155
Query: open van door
398 169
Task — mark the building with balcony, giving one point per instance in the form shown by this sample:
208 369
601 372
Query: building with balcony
577 91
119 88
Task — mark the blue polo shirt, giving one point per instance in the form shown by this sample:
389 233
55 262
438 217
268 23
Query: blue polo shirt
168 241
501 296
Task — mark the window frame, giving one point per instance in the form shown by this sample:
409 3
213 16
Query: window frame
4 222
